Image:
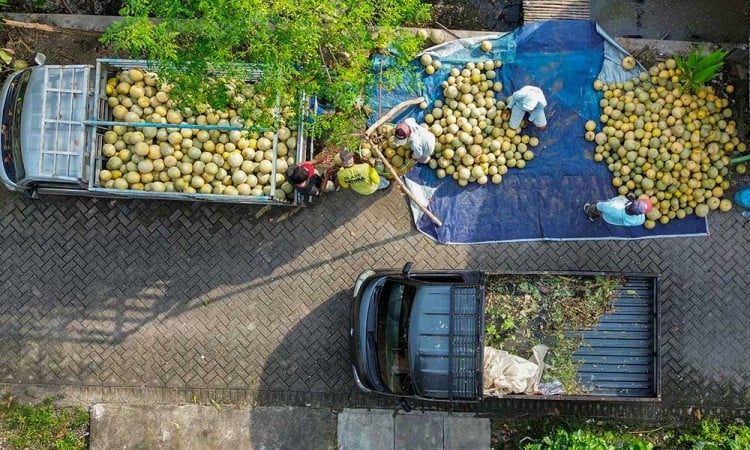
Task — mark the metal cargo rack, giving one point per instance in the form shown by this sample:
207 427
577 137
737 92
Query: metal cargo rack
102 120
466 328
64 105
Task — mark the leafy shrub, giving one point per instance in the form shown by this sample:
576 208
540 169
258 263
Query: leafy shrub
587 440
710 434
577 434
320 47
698 69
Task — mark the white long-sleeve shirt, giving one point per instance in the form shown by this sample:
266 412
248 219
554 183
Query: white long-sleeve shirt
528 97
421 141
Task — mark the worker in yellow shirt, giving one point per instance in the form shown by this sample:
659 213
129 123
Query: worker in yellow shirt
361 178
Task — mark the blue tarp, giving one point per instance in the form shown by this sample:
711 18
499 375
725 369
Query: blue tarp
544 200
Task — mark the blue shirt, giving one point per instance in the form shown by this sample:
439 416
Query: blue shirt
613 212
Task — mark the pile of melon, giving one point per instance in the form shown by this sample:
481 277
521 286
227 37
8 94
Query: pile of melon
474 143
190 160
660 141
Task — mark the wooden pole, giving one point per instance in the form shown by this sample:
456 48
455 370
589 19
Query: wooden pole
387 164
401 184
393 112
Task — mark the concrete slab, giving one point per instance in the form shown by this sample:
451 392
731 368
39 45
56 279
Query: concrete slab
292 428
417 430
157 427
462 431
166 427
370 429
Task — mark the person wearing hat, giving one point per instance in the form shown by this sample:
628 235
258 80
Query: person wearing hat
362 178
528 99
420 140
619 211
307 180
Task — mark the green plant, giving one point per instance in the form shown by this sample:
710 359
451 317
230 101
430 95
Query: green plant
312 46
42 426
577 440
568 433
698 69
491 333
526 310
711 434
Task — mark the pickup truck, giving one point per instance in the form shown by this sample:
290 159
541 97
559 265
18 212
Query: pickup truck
54 119
421 335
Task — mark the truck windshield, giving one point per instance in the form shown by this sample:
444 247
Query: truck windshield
11 127
392 336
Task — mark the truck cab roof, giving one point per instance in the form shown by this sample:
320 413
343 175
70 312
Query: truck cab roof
52 125
419 334
445 341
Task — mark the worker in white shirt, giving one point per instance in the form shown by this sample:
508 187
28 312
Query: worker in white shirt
528 99
420 140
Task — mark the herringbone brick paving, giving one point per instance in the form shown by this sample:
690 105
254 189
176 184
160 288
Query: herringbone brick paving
123 299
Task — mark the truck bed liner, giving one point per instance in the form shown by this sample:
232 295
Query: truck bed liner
619 355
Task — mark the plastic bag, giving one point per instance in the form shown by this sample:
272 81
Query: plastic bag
554 387
510 374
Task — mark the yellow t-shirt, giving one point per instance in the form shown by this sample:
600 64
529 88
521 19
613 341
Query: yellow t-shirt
362 178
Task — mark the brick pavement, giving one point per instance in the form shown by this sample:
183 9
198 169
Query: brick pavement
167 301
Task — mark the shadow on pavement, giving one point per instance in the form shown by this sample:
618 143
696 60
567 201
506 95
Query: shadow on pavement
171 294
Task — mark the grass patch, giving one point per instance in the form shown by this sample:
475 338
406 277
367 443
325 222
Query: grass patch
42 426
526 310
558 433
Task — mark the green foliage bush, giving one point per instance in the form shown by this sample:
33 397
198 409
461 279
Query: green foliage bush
587 440
698 68
320 47
707 434
710 434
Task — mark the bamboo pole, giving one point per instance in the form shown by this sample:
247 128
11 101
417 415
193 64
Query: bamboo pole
393 112
401 184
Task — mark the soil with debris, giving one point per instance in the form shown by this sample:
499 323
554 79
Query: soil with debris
97 7
61 47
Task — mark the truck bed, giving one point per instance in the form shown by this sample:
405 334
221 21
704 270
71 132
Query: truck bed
620 355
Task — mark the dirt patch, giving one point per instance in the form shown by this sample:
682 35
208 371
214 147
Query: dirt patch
60 47
96 7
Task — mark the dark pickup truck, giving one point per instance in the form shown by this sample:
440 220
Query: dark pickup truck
421 335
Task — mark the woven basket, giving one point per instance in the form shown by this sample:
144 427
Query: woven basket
404 169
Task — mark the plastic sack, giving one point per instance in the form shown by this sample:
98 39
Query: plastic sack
510 374
554 387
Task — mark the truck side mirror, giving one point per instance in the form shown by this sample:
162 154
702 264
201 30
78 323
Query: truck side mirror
40 59
407 269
